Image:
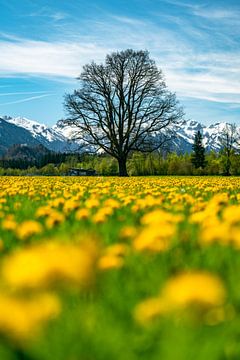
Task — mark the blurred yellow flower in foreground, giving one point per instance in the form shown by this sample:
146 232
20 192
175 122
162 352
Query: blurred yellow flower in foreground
21 319
28 228
160 227
113 256
48 264
82 214
159 217
128 232
54 218
9 224
110 262
231 214
196 290
154 238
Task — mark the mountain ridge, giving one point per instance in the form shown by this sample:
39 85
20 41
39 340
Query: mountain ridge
20 130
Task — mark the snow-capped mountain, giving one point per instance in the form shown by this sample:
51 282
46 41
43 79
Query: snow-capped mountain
44 135
58 138
184 135
211 135
11 134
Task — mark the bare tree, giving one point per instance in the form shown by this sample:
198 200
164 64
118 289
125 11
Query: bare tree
229 140
123 105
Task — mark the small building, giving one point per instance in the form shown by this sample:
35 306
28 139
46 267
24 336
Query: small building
81 172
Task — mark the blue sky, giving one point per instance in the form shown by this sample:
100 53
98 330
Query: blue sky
44 44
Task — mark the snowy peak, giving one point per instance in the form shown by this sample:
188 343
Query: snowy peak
34 127
24 122
46 136
58 137
11 134
185 133
192 125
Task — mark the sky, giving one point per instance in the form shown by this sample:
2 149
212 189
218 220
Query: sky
45 43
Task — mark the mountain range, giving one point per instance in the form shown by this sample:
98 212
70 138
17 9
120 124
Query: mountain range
57 138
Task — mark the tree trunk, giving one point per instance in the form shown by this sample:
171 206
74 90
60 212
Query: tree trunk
228 166
122 166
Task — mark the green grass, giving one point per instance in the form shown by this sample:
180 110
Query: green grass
98 324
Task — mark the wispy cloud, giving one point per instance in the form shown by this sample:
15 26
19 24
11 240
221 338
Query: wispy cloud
47 58
47 12
128 20
22 93
209 12
199 70
183 4
26 99
217 13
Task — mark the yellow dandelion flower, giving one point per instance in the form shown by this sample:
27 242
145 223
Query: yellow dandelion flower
128 232
196 290
99 218
28 228
197 287
148 310
54 218
154 238
43 211
113 256
231 214
112 203
92 203
9 224
21 319
110 262
117 249
82 214
50 264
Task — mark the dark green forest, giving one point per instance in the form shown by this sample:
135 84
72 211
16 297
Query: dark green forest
26 160
138 164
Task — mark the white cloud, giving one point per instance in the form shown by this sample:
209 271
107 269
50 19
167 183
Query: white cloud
183 4
26 99
216 81
206 11
22 93
128 20
49 13
217 13
46 58
191 70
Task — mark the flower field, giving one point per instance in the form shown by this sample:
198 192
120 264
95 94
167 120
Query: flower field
119 268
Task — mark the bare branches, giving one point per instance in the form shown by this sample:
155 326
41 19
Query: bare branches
230 142
123 104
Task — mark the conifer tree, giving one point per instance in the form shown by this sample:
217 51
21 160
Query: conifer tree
198 155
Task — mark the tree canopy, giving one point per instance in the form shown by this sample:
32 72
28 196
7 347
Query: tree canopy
123 105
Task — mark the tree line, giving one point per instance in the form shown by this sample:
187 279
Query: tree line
24 163
138 164
40 161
